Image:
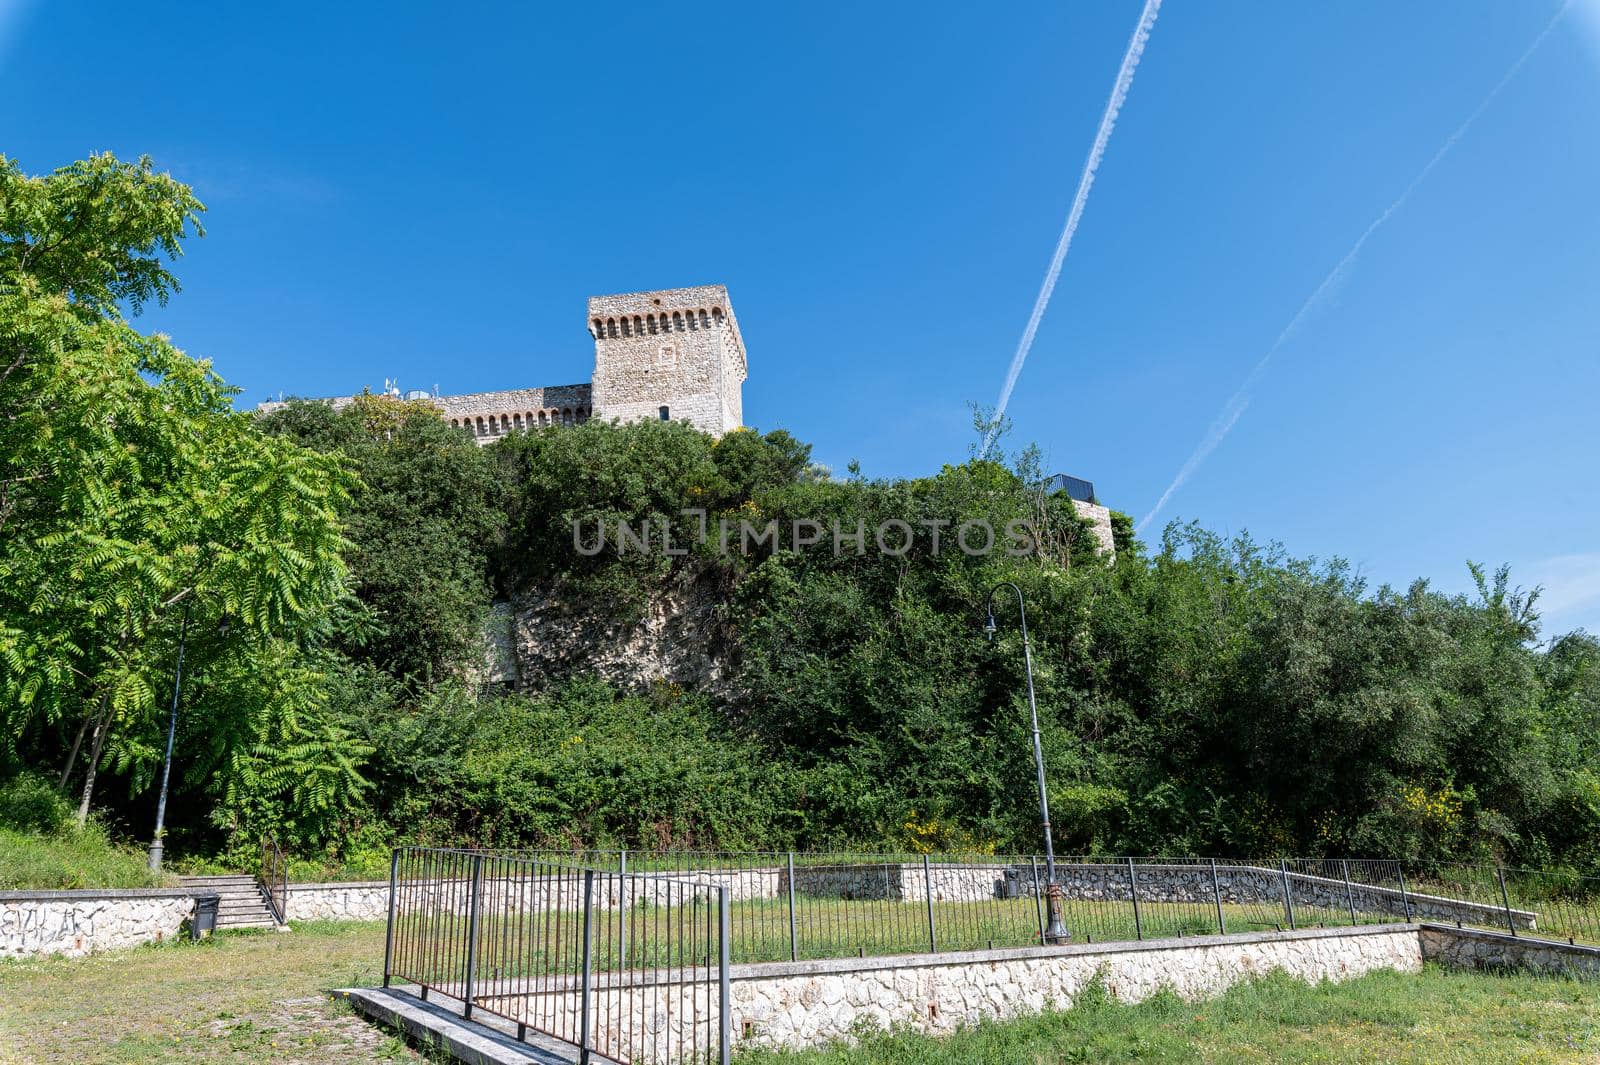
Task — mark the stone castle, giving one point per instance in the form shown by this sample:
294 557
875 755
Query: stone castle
674 354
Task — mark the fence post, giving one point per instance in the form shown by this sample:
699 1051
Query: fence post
1288 892
622 908
587 987
927 887
794 938
1349 896
472 933
1216 893
1133 893
1505 899
724 1007
1405 899
388 933
1038 902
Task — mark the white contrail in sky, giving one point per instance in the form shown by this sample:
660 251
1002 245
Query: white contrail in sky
1241 399
1119 93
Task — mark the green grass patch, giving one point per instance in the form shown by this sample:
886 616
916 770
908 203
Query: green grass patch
236 997
74 858
1436 1017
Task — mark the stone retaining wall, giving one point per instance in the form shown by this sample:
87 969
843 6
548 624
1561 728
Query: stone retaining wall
893 881
356 901
1468 948
76 923
1244 885
818 1002
808 1004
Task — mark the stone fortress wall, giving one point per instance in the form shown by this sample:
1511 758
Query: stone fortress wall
491 415
675 354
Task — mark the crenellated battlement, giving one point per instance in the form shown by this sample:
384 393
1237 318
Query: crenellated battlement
632 315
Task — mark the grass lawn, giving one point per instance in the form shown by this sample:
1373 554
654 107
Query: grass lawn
1437 1017
71 858
249 997
238 997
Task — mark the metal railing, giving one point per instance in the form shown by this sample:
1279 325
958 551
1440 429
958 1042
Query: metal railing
627 953
274 878
625 967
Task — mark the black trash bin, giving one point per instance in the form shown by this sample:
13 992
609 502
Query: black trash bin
204 921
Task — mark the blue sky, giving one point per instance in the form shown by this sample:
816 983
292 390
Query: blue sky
431 192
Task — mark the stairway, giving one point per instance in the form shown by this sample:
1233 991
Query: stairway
241 903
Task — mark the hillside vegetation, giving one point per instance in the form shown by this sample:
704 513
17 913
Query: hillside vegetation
336 570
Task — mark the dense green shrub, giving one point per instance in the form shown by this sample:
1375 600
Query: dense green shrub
30 803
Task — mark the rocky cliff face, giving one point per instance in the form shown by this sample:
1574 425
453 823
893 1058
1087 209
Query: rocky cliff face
550 633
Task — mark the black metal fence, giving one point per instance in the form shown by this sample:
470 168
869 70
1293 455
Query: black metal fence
626 967
627 953
274 878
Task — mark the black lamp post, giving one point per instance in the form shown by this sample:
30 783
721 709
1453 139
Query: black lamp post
1056 930
172 729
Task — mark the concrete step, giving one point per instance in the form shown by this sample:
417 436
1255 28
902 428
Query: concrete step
491 1043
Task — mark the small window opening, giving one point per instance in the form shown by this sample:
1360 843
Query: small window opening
666 415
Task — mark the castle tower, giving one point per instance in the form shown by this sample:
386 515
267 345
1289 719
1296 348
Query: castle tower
671 354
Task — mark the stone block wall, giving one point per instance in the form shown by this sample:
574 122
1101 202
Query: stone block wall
1469 948
665 1018
1100 519
364 901
676 348
895 881
76 923
818 1002
1256 885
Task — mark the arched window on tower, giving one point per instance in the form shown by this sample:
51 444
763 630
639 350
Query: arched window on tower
666 414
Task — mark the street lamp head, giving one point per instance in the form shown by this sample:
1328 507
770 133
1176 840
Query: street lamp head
223 624
989 627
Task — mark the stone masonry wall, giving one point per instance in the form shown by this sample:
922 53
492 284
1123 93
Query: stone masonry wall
894 881
366 901
76 923
674 348
1247 885
774 1006
808 1004
1100 519
1467 948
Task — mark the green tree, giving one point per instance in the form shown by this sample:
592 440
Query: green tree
423 519
131 493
